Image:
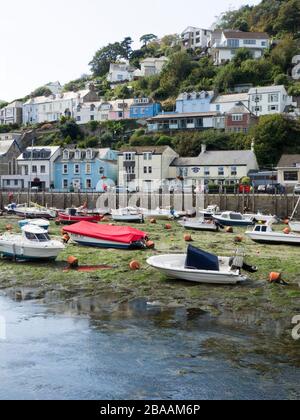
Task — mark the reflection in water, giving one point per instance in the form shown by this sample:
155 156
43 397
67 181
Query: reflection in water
109 347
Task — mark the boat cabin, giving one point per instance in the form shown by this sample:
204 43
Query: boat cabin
232 216
35 234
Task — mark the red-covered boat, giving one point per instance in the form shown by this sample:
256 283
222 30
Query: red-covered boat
71 216
105 236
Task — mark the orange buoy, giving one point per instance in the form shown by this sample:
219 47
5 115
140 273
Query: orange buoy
229 229
153 221
286 221
134 265
188 238
287 231
238 239
9 227
73 261
168 227
150 244
105 219
274 277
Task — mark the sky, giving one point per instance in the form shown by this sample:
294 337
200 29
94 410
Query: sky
50 40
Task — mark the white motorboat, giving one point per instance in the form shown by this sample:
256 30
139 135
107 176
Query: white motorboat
265 234
41 223
11 208
201 268
295 226
128 214
160 214
33 244
230 218
262 218
200 224
35 212
210 211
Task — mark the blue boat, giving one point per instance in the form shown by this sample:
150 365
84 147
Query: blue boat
230 218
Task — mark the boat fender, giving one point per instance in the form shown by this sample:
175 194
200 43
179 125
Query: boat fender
286 221
168 227
287 231
150 244
275 278
188 238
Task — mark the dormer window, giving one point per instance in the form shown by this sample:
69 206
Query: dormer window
77 154
66 154
78 108
92 108
89 154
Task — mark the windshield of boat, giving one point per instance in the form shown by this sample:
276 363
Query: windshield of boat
236 216
38 237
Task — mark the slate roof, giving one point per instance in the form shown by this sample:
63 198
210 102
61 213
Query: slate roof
216 158
289 161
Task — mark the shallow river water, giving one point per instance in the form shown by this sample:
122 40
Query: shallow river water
104 349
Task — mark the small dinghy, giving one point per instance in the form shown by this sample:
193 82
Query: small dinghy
71 216
201 267
230 218
35 212
200 225
105 236
265 234
161 214
210 211
261 218
33 244
128 214
41 223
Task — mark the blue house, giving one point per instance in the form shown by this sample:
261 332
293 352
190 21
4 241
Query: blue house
86 170
143 108
194 102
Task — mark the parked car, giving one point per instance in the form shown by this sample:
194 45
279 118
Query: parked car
275 189
297 189
262 189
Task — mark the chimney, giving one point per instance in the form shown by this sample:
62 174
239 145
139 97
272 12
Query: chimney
203 148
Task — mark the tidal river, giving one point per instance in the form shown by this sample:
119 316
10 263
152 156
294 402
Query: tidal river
101 348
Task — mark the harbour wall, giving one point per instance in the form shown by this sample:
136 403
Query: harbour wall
281 205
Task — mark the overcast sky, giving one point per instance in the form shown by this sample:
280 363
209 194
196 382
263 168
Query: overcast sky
49 40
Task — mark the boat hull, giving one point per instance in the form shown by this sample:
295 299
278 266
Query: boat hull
295 226
68 219
274 239
234 223
101 243
28 252
204 227
29 214
128 218
195 276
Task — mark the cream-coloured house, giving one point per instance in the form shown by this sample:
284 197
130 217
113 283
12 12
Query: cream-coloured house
145 168
218 167
288 170
151 66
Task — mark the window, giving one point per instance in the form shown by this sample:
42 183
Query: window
237 117
16 182
120 114
291 176
263 43
128 157
256 98
76 168
273 108
218 108
274 97
147 156
92 118
65 184
145 169
233 171
101 170
130 170
233 43
206 171
257 109
34 169
88 183
249 41
78 155
88 168
89 154
66 154
150 170
43 169
65 169
78 118
92 107
221 171
26 171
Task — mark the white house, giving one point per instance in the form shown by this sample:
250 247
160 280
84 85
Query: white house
12 113
51 108
225 49
151 66
144 167
270 100
35 168
224 103
193 37
120 72
218 167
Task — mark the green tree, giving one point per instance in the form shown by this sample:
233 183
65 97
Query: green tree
145 39
289 17
103 57
126 45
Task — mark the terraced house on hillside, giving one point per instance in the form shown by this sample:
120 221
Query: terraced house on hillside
85 169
